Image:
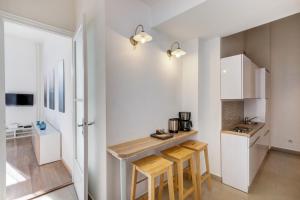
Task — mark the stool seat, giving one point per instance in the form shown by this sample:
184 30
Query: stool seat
152 165
178 153
194 145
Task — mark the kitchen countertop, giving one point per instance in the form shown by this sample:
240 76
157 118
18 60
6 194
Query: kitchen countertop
254 127
133 147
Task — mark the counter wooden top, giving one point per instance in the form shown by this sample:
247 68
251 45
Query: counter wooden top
131 148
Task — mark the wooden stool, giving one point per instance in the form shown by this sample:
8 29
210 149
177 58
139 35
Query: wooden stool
179 155
199 147
153 166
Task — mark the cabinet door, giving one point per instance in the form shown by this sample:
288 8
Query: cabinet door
267 140
231 81
254 157
249 78
267 85
235 161
263 83
252 162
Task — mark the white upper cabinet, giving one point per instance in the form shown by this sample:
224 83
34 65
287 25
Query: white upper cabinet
231 81
263 87
238 78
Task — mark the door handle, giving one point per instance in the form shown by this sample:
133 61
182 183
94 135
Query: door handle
87 124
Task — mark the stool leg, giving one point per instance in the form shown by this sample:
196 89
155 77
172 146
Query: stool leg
170 184
133 183
207 167
199 173
151 188
175 177
192 165
180 179
161 187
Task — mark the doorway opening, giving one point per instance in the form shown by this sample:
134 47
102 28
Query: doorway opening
39 93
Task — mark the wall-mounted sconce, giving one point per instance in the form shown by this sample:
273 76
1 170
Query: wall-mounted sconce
140 36
177 52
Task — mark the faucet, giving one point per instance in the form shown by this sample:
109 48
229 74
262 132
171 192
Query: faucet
248 120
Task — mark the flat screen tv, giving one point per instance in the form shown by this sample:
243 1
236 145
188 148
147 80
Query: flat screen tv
13 99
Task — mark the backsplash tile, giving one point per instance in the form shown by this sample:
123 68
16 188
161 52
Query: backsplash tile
232 113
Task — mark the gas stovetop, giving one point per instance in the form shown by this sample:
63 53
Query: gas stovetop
242 129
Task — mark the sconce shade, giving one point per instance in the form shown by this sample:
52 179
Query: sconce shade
140 37
178 52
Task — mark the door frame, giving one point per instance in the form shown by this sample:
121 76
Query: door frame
36 24
9 17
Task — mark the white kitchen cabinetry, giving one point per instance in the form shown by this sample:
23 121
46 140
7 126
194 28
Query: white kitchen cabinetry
238 77
242 157
235 161
46 144
263 83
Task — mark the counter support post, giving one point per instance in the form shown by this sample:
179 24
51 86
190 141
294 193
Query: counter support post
123 180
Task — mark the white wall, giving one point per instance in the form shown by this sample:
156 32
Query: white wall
285 83
209 100
58 13
143 84
21 77
201 94
189 85
54 50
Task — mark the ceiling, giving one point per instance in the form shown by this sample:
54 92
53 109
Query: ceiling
215 18
152 2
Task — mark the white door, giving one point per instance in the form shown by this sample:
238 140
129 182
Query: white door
2 115
80 174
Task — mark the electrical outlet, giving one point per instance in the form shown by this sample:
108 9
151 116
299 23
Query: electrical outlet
290 141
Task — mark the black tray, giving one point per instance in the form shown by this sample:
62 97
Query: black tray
164 136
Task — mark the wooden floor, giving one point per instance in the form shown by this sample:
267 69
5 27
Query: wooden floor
23 174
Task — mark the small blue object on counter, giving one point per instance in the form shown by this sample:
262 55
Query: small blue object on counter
38 123
43 126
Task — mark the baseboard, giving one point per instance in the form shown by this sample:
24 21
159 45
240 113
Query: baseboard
216 178
285 150
67 167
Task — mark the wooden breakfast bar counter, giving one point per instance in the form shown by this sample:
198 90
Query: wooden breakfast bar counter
132 148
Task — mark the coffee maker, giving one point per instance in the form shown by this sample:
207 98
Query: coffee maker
185 123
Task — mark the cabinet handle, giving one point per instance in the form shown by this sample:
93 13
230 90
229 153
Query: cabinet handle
266 133
255 141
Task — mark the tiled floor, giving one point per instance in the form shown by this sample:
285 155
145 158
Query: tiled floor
278 179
